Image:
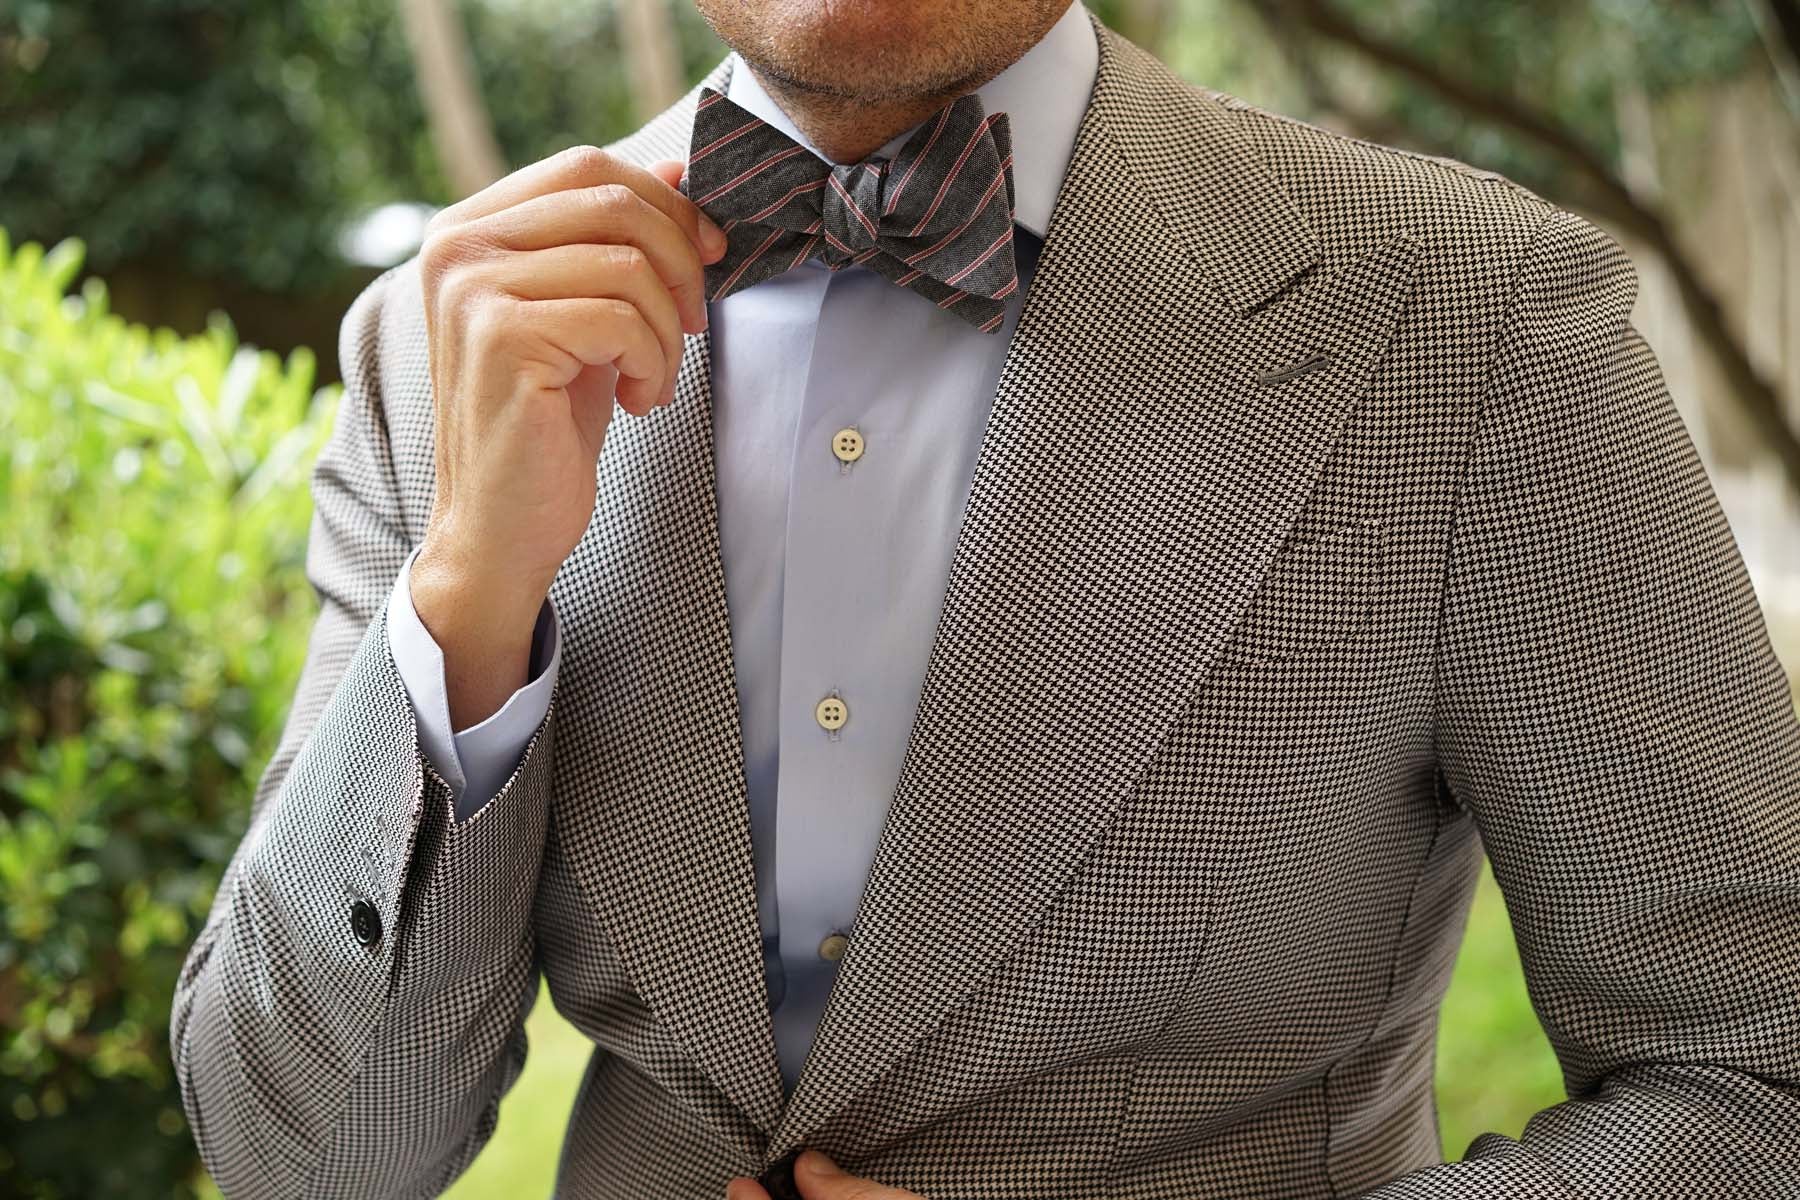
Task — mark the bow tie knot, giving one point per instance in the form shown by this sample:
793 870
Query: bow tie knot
850 207
936 218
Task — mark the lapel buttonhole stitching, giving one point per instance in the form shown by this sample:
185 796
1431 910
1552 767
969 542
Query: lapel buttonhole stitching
1307 366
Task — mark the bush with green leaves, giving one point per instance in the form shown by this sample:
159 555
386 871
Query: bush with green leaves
153 618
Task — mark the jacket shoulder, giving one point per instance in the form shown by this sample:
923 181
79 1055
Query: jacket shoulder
383 355
1355 192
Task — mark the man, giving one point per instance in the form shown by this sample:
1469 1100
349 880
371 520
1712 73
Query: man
1156 592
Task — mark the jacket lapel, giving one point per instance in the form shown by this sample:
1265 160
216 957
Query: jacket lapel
651 804
1135 478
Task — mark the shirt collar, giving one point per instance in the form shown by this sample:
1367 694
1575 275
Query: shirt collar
1044 95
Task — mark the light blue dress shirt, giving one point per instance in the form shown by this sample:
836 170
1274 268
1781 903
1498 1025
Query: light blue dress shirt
835 571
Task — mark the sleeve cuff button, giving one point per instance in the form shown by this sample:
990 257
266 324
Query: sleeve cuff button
365 922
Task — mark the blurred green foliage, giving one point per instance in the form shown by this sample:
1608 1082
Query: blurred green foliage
553 75
153 619
1569 63
234 138
212 137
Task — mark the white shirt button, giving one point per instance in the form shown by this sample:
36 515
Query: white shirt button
832 712
834 945
847 444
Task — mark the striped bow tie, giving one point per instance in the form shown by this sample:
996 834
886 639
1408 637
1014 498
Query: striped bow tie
936 219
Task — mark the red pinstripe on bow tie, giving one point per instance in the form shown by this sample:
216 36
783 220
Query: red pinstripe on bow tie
936 219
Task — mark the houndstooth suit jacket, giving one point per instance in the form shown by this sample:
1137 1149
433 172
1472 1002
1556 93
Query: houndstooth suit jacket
1331 525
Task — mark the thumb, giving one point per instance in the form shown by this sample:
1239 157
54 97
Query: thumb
670 171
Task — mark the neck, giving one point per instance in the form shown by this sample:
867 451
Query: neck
847 129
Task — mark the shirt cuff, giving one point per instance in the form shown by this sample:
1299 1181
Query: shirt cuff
475 762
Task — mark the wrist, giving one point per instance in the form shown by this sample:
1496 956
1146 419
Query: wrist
483 626
466 596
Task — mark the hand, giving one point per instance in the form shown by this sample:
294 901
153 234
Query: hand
545 293
818 1178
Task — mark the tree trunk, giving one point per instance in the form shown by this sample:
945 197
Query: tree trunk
461 128
652 55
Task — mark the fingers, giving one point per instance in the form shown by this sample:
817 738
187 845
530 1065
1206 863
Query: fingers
608 214
573 333
684 212
818 1178
613 272
586 167
568 275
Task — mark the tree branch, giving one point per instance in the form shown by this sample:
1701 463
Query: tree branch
1787 17
1642 218
1778 26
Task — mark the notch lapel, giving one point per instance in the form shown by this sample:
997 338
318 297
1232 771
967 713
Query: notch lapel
1135 478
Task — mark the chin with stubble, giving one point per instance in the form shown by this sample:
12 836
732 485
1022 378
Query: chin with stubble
851 73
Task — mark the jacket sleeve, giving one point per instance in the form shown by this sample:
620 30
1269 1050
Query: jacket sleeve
476 761
1612 714
352 1011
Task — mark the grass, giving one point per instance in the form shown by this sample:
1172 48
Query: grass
1494 1066
520 1160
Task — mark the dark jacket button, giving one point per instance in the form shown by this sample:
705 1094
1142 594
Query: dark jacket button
365 922
778 1180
